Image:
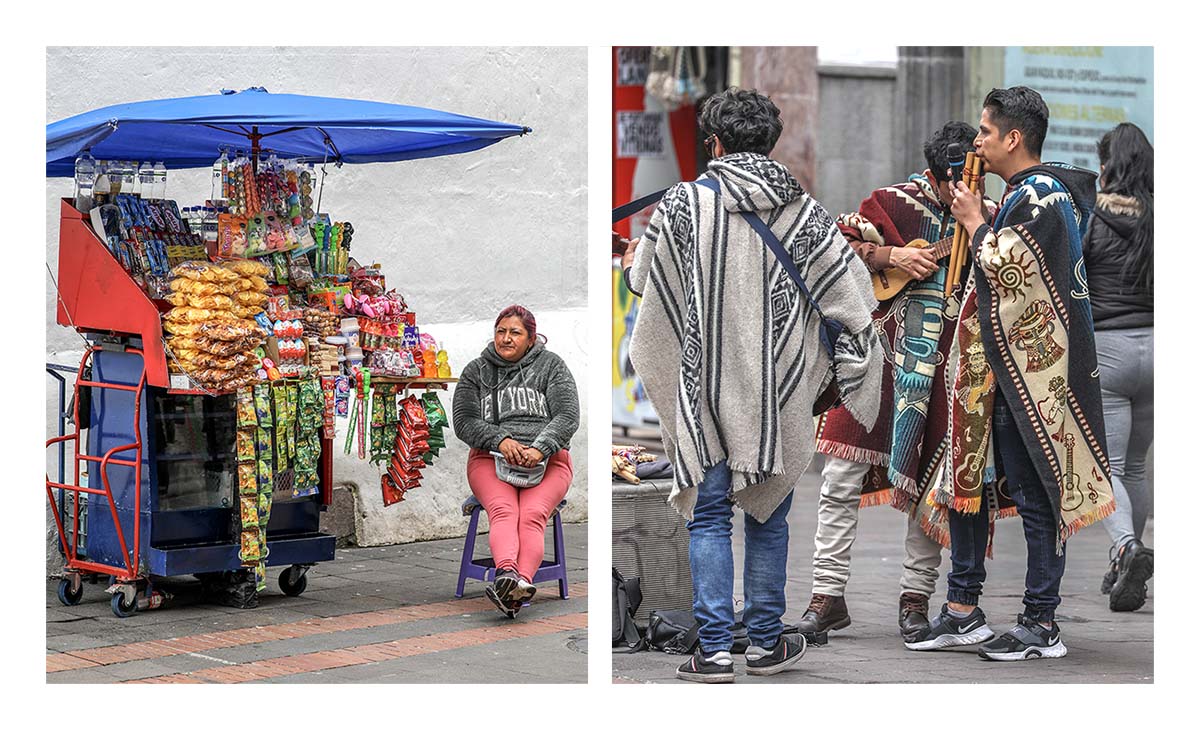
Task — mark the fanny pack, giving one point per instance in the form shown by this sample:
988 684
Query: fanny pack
518 476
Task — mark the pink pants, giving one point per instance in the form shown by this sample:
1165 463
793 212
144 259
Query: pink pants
518 516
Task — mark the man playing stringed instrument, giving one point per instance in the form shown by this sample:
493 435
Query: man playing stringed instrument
1034 432
894 461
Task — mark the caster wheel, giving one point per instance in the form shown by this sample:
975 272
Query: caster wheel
66 596
292 587
122 609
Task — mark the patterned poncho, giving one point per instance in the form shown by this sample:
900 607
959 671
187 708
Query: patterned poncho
909 441
727 346
1026 329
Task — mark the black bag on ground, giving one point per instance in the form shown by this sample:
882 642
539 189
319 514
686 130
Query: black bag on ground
678 632
626 598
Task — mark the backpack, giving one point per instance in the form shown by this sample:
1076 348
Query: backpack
626 598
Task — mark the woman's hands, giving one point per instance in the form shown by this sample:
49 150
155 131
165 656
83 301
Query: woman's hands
515 453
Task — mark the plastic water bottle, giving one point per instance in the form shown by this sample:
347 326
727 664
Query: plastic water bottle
209 224
102 188
160 181
146 181
220 174
85 181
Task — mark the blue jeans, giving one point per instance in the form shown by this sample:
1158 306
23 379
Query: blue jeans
710 552
969 533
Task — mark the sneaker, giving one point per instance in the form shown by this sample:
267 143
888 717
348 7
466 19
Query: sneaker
914 615
788 650
1135 566
523 592
505 583
1106 583
716 669
948 630
501 604
1027 640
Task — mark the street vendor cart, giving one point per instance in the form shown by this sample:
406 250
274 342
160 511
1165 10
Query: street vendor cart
148 478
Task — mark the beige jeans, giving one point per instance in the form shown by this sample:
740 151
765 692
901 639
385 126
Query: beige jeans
837 524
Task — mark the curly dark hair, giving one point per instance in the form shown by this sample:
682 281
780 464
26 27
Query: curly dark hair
935 147
1020 107
744 120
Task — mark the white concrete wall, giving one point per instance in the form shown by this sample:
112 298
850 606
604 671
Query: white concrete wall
459 236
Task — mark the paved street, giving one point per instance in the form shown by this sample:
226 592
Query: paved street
1103 646
373 615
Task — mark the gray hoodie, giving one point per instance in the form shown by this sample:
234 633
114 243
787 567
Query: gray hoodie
536 398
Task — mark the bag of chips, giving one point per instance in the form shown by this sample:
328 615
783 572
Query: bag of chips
246 267
247 479
246 416
262 405
245 444
251 551
249 511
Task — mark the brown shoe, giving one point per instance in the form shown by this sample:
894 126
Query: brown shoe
824 614
914 615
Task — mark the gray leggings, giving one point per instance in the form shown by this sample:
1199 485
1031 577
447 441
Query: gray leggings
1127 387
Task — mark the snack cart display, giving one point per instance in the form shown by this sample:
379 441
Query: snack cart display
225 339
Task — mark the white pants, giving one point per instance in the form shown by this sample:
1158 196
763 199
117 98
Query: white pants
837 524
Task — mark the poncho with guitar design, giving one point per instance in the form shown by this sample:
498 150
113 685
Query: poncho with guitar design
908 443
1026 329
725 343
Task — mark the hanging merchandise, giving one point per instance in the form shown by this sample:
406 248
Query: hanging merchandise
677 74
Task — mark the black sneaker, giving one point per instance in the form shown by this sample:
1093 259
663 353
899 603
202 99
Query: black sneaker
1027 640
787 652
1135 566
1106 583
716 669
501 604
947 630
505 583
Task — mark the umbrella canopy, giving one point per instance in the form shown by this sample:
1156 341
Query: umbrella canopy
190 131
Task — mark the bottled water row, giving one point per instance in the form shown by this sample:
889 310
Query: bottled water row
96 181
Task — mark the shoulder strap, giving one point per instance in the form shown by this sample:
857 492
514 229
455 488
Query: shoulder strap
621 213
830 329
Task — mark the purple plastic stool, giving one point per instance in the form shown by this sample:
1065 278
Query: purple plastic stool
485 568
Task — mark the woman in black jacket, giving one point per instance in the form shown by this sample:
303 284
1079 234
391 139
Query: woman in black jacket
1118 252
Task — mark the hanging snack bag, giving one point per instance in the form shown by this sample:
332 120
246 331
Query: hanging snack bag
434 411
262 405
247 481
245 445
249 511
251 551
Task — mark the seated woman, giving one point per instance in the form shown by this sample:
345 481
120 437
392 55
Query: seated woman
519 399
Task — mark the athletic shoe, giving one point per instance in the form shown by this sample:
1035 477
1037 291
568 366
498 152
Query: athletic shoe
716 669
947 630
523 592
1027 640
787 652
505 583
500 603
914 615
1135 566
1106 583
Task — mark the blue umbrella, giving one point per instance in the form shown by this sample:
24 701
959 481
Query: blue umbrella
190 131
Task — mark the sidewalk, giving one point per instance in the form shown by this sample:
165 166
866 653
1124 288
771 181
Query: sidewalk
1103 646
373 615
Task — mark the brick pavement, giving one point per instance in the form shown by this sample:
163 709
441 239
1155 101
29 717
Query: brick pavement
371 610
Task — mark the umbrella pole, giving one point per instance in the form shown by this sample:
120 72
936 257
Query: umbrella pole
255 147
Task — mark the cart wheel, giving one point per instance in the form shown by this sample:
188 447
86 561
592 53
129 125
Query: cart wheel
66 596
290 587
122 609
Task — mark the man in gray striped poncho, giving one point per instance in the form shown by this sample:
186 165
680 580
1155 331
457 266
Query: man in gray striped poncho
729 351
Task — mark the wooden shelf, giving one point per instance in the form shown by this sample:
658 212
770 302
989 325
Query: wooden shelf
413 382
